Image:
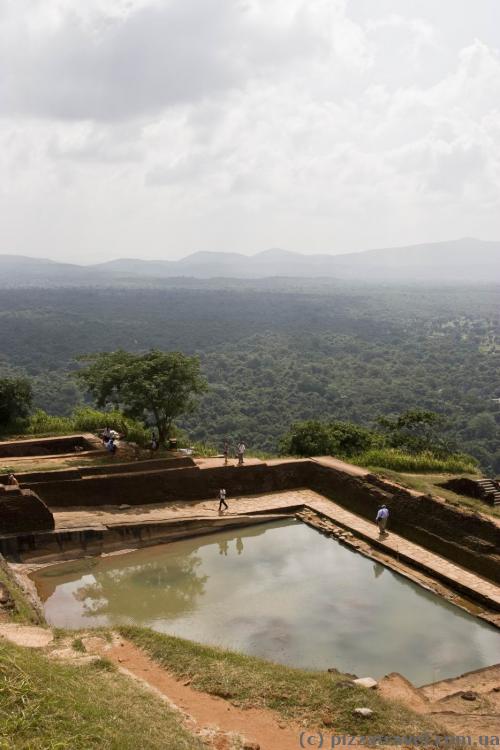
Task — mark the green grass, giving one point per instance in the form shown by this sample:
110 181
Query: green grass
85 419
426 462
78 645
47 705
318 699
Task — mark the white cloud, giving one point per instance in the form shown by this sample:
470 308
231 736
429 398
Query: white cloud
157 128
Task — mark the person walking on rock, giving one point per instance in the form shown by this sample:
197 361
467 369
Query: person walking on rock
241 452
222 500
381 519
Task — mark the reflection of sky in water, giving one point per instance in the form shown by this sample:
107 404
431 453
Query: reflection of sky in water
281 591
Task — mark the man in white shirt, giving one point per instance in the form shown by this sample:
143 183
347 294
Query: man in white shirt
241 452
381 519
222 500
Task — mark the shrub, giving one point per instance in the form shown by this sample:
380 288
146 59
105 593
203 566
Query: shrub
40 423
425 462
316 438
85 419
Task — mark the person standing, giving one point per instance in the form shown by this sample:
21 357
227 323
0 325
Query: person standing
222 500
225 452
153 444
111 446
241 452
381 519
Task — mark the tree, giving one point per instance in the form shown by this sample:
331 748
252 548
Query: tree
415 430
157 386
15 399
483 426
315 438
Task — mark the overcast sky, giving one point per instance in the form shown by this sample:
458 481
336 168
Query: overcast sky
142 128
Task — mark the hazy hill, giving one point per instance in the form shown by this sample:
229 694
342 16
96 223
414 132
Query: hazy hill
465 260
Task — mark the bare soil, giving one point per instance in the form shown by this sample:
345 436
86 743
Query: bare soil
208 715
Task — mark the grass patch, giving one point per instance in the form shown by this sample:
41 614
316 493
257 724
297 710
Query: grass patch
86 419
23 611
78 645
318 699
426 462
46 705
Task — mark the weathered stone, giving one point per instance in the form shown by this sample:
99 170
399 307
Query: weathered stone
364 712
251 746
469 696
29 636
124 506
23 511
4 595
366 682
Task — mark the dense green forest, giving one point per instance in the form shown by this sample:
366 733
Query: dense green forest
277 352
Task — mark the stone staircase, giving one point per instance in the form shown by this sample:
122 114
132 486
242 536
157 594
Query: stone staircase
489 490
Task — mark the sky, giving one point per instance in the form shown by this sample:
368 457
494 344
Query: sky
157 128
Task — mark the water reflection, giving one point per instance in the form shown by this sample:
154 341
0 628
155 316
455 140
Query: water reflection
223 547
143 592
279 591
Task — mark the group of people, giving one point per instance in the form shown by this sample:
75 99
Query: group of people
109 437
240 452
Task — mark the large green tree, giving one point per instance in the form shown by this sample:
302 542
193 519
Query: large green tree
315 438
156 386
417 430
15 399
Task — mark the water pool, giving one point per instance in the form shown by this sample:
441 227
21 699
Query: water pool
280 591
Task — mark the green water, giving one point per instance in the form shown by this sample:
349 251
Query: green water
280 591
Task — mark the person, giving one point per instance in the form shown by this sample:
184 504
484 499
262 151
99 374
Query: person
381 519
110 446
153 445
222 500
106 434
12 481
225 452
241 452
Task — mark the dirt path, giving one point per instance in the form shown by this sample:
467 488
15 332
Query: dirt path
209 714
467 706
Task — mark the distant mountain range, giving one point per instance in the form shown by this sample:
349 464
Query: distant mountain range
466 261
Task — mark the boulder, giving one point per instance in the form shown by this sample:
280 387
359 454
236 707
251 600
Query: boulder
365 713
366 682
22 511
469 696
